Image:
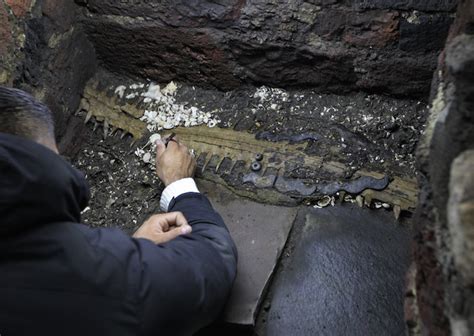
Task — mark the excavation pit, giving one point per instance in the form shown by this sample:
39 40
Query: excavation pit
327 101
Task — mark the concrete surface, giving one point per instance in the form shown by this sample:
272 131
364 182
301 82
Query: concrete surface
260 232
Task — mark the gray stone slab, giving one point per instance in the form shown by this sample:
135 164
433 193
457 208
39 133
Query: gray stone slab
344 277
260 233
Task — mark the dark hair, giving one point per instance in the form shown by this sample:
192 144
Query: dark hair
23 115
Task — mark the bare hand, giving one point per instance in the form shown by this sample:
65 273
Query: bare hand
174 162
163 227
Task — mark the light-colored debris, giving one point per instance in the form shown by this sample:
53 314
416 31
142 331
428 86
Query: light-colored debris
120 90
88 117
397 211
146 157
324 202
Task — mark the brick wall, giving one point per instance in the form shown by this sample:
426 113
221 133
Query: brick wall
387 46
44 51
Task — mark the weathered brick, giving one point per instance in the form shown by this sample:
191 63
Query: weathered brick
281 43
423 5
59 12
5 31
19 7
373 28
424 32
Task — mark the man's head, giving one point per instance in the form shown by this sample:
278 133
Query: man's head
23 115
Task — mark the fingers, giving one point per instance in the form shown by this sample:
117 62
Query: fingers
178 223
174 219
160 148
164 227
174 233
173 145
163 144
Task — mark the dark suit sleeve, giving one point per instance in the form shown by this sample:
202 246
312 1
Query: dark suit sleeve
186 282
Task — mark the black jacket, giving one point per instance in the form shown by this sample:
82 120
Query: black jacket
58 277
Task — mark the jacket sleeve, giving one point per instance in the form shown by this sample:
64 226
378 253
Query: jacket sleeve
186 282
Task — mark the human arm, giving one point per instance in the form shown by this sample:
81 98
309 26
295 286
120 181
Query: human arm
190 276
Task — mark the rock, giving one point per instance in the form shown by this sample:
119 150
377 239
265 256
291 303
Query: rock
461 214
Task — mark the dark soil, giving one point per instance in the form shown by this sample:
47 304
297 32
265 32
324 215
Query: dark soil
124 192
362 131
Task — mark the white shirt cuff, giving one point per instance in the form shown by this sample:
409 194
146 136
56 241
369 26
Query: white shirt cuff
175 189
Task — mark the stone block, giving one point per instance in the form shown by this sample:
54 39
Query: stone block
398 75
344 276
461 214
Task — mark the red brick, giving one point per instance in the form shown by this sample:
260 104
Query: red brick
19 7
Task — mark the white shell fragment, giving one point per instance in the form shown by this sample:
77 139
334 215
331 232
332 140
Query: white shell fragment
120 90
170 89
146 157
162 112
324 202
139 152
154 138
212 123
